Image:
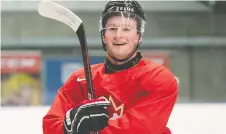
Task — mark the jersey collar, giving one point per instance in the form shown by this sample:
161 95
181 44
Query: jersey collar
111 68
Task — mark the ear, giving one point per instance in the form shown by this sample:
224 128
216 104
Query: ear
104 39
140 38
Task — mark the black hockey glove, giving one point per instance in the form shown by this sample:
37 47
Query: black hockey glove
91 115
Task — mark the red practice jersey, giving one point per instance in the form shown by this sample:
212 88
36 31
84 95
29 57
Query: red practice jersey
142 98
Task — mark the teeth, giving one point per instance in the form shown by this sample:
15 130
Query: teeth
119 43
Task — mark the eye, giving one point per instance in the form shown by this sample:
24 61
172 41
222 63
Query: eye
112 29
126 29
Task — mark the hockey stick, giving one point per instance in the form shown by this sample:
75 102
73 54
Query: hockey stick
57 12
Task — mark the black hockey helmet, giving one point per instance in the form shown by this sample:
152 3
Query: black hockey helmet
128 8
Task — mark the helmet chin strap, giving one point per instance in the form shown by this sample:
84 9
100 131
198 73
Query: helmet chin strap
128 57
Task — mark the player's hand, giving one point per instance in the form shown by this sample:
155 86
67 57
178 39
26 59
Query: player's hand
90 115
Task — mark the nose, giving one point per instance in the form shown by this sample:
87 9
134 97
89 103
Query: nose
118 33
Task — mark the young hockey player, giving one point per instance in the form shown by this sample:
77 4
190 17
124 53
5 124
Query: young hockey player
132 95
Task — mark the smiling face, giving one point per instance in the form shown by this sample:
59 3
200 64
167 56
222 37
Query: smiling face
121 36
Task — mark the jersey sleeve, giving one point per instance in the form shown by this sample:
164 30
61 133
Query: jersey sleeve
151 111
68 95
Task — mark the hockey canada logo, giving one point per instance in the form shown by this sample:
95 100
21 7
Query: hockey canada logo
116 110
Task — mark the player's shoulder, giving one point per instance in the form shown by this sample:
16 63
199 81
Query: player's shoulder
95 68
153 68
155 72
151 65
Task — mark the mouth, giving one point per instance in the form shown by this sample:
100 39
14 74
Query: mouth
119 43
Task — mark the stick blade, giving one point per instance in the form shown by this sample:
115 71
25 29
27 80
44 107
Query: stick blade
57 12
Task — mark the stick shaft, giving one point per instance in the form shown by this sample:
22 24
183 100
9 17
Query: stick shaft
82 38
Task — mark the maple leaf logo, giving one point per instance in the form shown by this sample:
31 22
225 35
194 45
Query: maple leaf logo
116 109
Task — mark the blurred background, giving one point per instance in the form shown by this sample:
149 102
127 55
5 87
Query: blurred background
38 54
